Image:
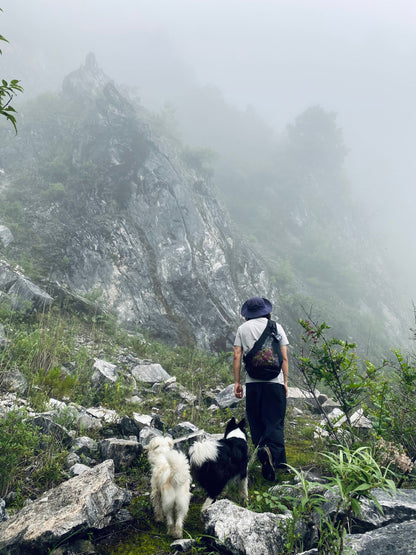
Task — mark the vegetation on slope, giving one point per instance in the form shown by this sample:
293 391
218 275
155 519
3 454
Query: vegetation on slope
44 347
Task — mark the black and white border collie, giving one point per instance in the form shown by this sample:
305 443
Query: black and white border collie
215 462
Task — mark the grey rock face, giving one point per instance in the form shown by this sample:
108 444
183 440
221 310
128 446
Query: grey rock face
12 380
387 532
103 372
122 451
243 531
47 426
84 445
6 236
7 276
86 501
88 422
396 538
77 469
396 508
24 294
27 294
150 373
4 342
107 415
226 397
147 231
3 515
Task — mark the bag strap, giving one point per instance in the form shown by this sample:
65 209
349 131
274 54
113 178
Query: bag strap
278 338
274 333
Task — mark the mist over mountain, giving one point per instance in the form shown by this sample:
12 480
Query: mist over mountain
111 199
101 201
279 58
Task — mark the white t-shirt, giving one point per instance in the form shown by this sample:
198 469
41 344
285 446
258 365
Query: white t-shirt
247 335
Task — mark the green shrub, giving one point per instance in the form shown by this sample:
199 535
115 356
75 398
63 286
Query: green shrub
55 382
55 191
18 442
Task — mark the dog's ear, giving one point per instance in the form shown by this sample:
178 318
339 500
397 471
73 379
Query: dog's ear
242 423
231 425
170 442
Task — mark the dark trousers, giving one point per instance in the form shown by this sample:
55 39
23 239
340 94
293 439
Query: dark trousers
266 409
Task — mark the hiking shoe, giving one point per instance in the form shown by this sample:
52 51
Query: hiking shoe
267 468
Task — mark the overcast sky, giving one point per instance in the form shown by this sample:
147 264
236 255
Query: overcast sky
354 57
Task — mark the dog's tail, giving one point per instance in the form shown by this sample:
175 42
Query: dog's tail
179 472
203 451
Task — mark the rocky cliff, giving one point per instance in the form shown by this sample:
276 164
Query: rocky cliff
110 207
102 197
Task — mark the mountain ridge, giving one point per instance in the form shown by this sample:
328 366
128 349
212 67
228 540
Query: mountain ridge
100 199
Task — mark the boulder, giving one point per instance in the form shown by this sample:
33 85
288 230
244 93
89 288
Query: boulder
122 451
147 434
70 300
103 372
142 420
302 399
8 276
10 401
87 421
84 502
150 373
183 428
13 381
338 418
77 469
72 459
46 426
171 387
129 427
4 342
29 297
395 538
85 445
226 397
245 532
24 294
6 236
109 416
3 515
398 507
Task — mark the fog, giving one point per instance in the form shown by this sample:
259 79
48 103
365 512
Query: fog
352 57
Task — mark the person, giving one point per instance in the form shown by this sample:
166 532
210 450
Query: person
265 400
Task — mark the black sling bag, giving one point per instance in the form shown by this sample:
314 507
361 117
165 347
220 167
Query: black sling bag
264 360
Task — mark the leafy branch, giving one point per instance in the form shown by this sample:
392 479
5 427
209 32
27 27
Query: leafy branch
8 90
332 362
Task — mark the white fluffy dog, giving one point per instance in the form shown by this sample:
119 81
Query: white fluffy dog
170 484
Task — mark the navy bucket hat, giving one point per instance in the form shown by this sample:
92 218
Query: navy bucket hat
256 307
